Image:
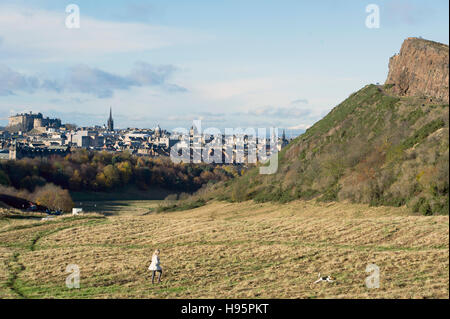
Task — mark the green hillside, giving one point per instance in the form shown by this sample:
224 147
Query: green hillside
374 148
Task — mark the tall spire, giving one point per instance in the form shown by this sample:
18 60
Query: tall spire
110 121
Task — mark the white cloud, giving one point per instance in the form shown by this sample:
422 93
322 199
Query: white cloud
300 101
300 127
233 88
407 12
43 34
84 79
280 112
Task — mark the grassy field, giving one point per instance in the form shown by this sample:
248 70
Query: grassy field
225 250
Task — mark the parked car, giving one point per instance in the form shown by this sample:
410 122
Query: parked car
55 213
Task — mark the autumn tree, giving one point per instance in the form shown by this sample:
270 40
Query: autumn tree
4 179
112 176
125 171
54 197
75 181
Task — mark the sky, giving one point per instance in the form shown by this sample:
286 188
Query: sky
229 63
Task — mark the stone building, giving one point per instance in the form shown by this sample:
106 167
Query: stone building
28 121
18 151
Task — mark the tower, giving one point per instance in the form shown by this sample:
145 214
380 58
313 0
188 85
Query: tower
13 150
110 123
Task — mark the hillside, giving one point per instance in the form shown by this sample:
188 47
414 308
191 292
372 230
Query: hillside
377 147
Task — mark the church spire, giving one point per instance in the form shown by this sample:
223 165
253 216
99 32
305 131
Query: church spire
110 123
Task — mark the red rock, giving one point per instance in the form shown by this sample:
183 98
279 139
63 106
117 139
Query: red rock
420 69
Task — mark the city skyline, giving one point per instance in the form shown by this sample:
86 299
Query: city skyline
25 121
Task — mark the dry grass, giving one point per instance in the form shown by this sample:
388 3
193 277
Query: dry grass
227 250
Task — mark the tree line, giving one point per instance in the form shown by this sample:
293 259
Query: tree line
84 170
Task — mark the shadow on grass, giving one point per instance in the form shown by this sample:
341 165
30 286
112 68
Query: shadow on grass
127 193
21 217
106 208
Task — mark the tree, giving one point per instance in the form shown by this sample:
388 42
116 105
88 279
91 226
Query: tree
31 182
125 171
75 181
112 176
54 197
4 179
70 126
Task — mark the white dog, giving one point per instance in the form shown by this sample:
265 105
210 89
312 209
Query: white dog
327 278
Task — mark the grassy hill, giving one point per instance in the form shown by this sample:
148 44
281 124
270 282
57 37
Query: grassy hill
227 250
375 148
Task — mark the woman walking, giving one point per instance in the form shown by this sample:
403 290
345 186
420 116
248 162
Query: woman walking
155 266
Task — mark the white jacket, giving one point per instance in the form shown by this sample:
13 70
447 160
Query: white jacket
155 265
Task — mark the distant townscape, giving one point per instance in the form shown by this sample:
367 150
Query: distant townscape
33 135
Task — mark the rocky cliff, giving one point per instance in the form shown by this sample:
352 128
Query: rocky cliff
421 68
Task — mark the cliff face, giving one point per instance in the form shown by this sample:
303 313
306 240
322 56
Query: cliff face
421 68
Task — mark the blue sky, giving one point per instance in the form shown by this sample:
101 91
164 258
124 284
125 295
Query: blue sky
230 63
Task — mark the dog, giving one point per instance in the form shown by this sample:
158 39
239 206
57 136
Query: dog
327 279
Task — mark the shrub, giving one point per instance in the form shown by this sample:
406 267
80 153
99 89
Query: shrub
425 209
171 197
423 132
223 197
239 192
4 179
262 197
182 206
307 194
415 204
54 197
414 116
440 207
331 194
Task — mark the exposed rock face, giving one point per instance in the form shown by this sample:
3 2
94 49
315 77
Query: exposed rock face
421 68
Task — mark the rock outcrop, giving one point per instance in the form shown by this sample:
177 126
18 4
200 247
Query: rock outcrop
421 68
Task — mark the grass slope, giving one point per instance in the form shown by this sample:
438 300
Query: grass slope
227 250
373 148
